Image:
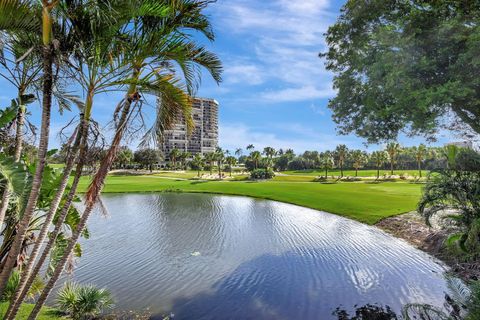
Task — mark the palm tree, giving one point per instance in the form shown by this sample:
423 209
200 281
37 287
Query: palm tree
420 154
269 152
359 158
23 17
379 157
238 152
198 162
250 147
393 149
231 161
174 156
210 159
341 153
219 157
327 162
152 50
256 156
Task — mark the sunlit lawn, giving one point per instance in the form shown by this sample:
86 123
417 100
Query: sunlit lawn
45 314
365 202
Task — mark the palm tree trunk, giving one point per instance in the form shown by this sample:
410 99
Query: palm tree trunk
38 176
17 298
391 168
18 153
326 173
341 171
91 198
356 172
420 168
378 173
61 218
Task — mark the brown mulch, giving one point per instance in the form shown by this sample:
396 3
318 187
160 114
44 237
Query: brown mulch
412 228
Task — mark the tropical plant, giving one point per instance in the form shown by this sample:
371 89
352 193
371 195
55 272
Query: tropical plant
256 157
359 158
14 282
210 159
198 163
250 147
420 153
83 302
379 158
262 174
147 157
326 162
231 161
174 155
269 153
341 153
392 149
219 157
238 152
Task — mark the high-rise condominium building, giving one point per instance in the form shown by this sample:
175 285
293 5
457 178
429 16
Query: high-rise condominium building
204 137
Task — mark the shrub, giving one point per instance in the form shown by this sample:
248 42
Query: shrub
83 302
14 281
260 174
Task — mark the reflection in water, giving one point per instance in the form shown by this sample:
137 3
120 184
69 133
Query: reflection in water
216 257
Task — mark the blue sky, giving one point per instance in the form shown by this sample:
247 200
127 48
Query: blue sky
275 90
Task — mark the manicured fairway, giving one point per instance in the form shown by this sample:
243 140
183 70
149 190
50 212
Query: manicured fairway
365 202
361 173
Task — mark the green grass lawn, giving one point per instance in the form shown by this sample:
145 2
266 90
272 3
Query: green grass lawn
361 173
45 314
365 202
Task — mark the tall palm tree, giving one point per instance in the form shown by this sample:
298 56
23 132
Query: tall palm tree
359 158
269 152
174 101
327 162
420 152
198 162
341 153
256 156
174 156
219 157
379 158
250 147
393 149
231 161
238 152
25 17
210 159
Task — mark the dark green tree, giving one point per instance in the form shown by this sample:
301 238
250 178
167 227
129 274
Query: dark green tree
402 66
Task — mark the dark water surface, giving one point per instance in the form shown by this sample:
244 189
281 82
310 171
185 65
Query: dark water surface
222 257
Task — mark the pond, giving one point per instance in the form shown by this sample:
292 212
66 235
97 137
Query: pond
222 257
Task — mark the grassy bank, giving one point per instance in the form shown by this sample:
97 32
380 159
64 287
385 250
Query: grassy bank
46 313
365 202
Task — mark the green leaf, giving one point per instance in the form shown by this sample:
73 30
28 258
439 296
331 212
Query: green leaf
7 115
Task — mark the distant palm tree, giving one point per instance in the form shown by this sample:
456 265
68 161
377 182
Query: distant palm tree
250 147
359 158
341 153
231 161
174 155
238 152
198 162
379 157
219 157
269 152
256 156
210 159
420 152
393 149
327 162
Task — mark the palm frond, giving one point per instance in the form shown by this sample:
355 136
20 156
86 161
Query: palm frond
19 16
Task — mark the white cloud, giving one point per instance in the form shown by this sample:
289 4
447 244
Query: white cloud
285 38
308 92
243 73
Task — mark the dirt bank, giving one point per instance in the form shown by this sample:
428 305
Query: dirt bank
412 228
